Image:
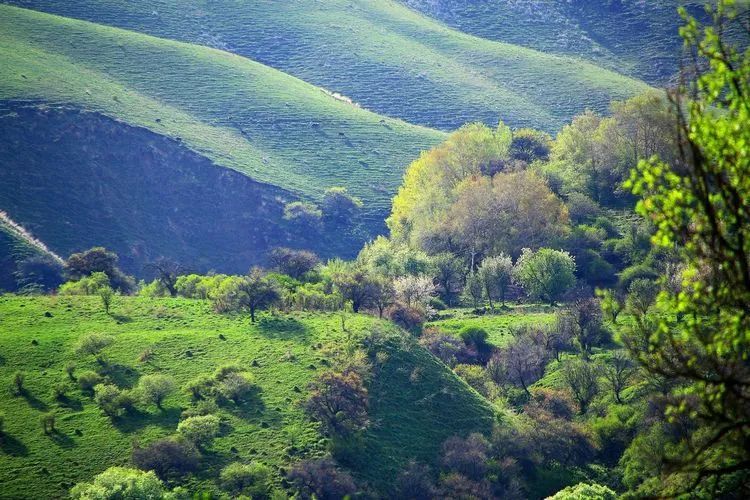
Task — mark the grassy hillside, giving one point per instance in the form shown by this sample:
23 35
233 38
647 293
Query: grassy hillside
240 114
38 336
630 36
382 54
16 244
498 326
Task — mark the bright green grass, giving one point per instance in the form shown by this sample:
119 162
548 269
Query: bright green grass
381 54
411 417
630 36
498 325
241 114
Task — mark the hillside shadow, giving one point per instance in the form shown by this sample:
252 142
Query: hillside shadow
12 446
70 403
252 408
121 318
62 440
121 375
283 328
130 422
34 401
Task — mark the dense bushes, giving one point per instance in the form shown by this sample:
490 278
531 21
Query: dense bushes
168 458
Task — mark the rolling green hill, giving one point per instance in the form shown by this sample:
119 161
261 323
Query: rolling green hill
240 114
38 335
382 54
630 36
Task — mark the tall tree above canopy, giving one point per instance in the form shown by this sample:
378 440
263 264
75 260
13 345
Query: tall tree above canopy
699 335
429 182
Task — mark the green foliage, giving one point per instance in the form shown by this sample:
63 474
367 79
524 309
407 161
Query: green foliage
585 491
88 285
546 274
155 388
93 344
200 430
249 293
120 483
496 274
700 322
472 335
253 480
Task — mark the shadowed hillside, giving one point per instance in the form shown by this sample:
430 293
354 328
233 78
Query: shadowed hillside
80 179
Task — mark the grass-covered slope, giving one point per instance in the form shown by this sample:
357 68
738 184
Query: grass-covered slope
16 244
499 326
631 36
411 417
387 57
241 114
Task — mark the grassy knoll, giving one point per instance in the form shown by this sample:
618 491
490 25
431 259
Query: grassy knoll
498 325
240 114
387 57
38 336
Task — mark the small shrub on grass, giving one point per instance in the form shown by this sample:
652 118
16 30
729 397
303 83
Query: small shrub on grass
168 457
112 400
19 378
199 430
155 388
88 379
60 390
2 423
70 369
237 387
253 480
223 371
201 387
48 422
93 344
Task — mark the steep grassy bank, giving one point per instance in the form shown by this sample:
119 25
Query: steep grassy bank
39 335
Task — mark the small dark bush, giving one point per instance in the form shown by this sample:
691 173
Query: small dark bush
169 457
321 479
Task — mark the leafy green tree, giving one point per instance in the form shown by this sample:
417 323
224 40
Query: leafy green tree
250 293
698 338
449 273
496 274
582 378
155 388
199 430
529 145
120 483
93 344
474 289
339 206
253 480
166 272
589 491
340 402
107 295
546 274
99 259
